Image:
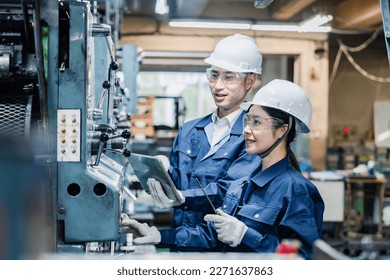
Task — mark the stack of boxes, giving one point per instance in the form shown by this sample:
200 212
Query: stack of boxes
142 122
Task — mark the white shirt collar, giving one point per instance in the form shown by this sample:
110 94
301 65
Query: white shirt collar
231 118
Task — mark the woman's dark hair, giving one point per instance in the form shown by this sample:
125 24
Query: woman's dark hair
276 113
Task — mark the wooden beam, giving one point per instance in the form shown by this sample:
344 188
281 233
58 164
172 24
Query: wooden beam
290 8
357 14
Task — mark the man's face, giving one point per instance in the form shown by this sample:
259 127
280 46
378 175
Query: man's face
228 89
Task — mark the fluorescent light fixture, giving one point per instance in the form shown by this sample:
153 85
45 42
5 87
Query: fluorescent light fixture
312 25
161 7
315 24
317 29
209 24
290 28
275 27
315 21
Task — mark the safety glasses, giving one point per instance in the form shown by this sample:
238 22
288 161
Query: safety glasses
228 78
256 122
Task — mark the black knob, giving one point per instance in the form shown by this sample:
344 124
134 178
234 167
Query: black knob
126 153
104 137
114 65
106 84
126 134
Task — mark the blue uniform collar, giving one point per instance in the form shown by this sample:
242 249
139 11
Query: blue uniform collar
237 128
264 177
203 122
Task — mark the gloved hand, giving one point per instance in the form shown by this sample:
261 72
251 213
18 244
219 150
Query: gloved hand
229 229
144 234
160 199
164 160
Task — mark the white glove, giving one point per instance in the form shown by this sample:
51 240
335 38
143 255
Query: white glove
160 199
144 234
164 160
229 229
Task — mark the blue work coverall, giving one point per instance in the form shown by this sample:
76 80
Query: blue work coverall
191 157
277 203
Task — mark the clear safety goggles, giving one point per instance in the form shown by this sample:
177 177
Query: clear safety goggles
256 122
228 78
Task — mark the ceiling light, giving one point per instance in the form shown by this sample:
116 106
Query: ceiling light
161 7
315 21
312 25
318 29
275 27
209 24
290 28
315 24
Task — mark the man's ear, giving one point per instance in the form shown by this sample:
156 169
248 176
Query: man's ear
250 81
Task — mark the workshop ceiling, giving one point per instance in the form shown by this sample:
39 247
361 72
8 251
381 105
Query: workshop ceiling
347 14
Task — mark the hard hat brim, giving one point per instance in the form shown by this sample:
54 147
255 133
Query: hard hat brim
300 126
229 66
246 105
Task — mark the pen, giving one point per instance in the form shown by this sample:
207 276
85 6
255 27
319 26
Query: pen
208 198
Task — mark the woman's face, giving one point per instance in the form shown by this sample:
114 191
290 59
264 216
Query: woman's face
261 131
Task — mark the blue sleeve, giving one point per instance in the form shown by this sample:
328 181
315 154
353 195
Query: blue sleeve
240 168
261 243
202 236
299 221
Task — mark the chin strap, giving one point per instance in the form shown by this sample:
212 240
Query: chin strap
270 149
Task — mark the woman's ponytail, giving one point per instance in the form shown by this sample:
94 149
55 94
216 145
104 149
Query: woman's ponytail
293 159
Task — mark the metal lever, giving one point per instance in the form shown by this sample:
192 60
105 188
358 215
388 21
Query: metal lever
129 193
103 139
106 86
125 134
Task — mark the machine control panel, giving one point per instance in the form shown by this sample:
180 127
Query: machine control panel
68 135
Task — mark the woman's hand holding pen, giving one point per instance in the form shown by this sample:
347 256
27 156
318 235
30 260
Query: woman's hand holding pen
229 229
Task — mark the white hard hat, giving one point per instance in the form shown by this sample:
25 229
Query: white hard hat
237 53
288 97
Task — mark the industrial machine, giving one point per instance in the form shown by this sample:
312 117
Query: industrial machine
62 94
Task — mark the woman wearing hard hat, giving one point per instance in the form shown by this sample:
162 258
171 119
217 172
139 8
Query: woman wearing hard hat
276 201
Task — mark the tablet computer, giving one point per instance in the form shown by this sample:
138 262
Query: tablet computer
145 167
